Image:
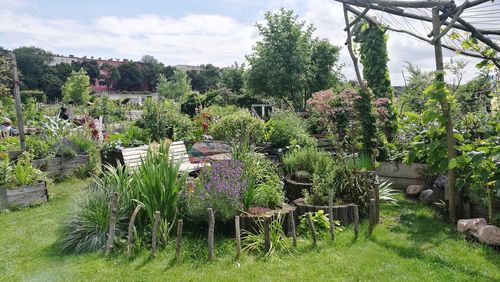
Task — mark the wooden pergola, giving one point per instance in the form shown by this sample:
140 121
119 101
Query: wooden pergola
443 16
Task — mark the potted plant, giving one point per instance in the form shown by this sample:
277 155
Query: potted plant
299 166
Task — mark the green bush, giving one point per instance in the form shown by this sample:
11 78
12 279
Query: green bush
267 196
305 160
287 129
38 147
23 173
239 128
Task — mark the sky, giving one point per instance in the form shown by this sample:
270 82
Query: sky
191 32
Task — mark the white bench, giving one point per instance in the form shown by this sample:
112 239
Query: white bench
132 157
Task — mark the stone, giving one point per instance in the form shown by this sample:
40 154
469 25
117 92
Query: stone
426 196
488 234
414 190
470 225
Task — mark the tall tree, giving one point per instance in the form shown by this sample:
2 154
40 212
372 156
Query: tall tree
281 62
131 78
109 74
151 71
232 78
90 67
32 63
205 79
177 88
373 55
325 71
77 87
6 82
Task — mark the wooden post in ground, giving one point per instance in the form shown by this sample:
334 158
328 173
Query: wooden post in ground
154 239
211 230
373 217
267 235
445 106
356 221
178 241
377 199
131 230
311 227
238 236
3 198
17 100
330 217
291 222
112 223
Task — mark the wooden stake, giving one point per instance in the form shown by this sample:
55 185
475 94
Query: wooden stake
330 217
211 230
131 230
377 199
3 198
291 221
112 223
356 221
311 226
267 236
178 240
17 100
445 106
238 236
154 239
373 217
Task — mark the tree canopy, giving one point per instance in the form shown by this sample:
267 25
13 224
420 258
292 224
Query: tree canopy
131 78
176 88
77 88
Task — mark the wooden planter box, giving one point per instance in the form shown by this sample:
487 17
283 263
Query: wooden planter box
61 166
23 196
401 175
343 213
249 222
294 189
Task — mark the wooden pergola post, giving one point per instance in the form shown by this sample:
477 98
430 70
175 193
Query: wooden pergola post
17 100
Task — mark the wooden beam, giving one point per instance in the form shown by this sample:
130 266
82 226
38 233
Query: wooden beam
450 25
465 53
411 4
477 34
402 13
357 19
351 52
17 100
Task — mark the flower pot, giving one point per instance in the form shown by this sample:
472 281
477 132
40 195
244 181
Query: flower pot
294 189
344 213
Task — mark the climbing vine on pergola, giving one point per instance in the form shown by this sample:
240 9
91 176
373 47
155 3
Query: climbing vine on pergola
450 22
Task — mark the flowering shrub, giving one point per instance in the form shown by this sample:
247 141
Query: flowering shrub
337 109
220 187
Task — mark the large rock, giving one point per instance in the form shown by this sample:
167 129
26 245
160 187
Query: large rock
414 190
426 196
470 225
488 234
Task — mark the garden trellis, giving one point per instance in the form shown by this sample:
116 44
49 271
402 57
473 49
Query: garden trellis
475 24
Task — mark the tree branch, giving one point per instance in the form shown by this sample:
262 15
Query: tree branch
360 16
450 25
351 52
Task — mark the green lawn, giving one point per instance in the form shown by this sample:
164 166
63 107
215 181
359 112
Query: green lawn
410 244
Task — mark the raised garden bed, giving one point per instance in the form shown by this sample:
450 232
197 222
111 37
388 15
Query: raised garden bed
61 166
294 190
343 213
401 175
249 222
23 196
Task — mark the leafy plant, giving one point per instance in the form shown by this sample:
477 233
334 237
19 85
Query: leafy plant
267 196
287 129
239 128
23 173
255 242
386 193
320 221
305 159
156 186
38 147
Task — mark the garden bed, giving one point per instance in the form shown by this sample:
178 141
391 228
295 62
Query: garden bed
344 213
60 166
294 190
23 196
249 222
401 175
